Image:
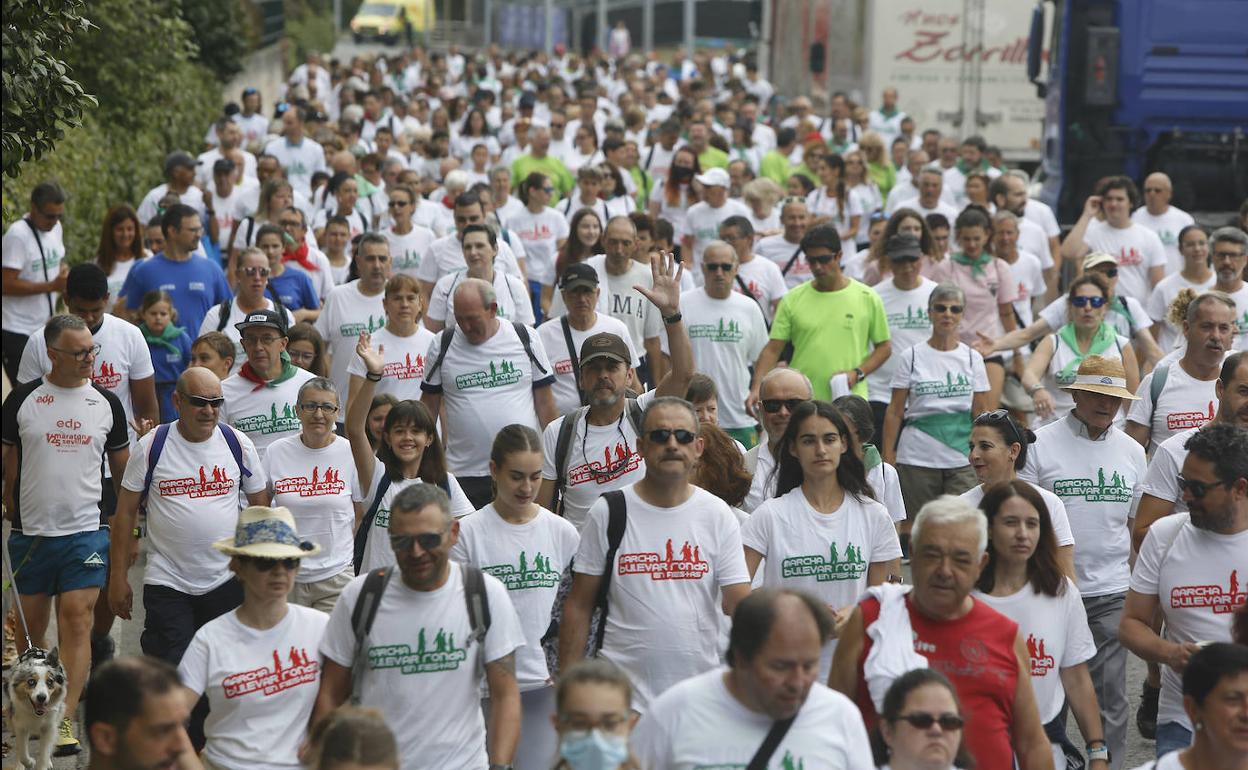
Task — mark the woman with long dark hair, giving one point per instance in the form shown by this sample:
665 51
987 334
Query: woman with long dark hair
1024 581
584 241
121 248
543 231
831 201
823 532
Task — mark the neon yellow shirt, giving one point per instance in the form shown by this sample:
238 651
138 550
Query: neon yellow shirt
551 166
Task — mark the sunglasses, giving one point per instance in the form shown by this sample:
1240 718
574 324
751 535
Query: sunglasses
773 405
1095 302
821 260
1200 488
428 541
252 272
548 190
940 308
923 720
216 402
661 435
1111 272
718 267
267 565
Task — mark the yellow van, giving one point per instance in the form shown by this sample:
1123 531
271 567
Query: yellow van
383 19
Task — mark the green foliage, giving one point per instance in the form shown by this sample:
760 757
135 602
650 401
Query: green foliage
220 33
41 99
309 27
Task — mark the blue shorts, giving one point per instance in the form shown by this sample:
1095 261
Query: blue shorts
55 565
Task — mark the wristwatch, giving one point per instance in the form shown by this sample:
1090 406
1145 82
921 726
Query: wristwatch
860 374
673 318
1097 750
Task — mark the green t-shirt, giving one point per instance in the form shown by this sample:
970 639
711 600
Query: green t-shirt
776 167
884 176
831 331
713 157
806 171
551 166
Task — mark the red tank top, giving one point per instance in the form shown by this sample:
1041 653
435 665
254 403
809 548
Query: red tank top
976 652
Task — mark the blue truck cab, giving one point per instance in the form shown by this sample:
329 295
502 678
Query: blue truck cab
1138 86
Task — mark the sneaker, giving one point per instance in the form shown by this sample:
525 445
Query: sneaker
66 744
1146 714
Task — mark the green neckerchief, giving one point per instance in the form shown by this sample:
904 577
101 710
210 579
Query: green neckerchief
976 265
165 338
1103 339
965 169
871 456
953 429
888 112
251 375
366 188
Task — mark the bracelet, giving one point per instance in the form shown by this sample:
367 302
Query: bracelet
372 377
1101 752
673 318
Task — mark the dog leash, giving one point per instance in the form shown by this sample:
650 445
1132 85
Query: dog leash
11 582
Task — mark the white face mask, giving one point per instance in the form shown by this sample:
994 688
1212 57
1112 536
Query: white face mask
593 750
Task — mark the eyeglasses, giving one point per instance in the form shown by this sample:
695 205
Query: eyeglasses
1200 488
940 308
923 720
312 408
301 356
661 435
718 267
773 405
548 190
1227 255
821 260
428 541
82 356
268 339
199 402
252 272
267 565
1095 302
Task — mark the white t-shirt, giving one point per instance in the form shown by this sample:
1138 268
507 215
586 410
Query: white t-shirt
763 485
405 362
1162 478
727 335
908 325
309 482
699 723
20 252
1167 227
940 382
192 503
1055 629
821 553
1039 212
149 207
702 221
485 388
1241 321
299 161
1095 480
1056 315
377 551
1184 402
764 282
346 314
618 298
540 233
565 389
1056 511
212 319
446 255
1195 574
408 249
1062 370
510 292
823 204
1033 240
529 559
1028 271
261 686
117 279
421 665
780 251
265 413
1158 306
664 598
1137 250
886 484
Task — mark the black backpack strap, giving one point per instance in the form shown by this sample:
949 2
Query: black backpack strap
366 523
445 345
745 289
522 332
649 158
573 357
769 745
563 449
478 609
792 261
362 616
223 313
251 226
617 521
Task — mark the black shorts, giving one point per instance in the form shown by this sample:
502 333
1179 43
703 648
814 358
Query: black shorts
998 359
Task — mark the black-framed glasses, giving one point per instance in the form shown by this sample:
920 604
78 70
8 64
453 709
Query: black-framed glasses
922 720
199 402
1095 302
821 260
718 267
81 356
1200 488
773 405
428 541
313 408
661 435
942 308
267 339
266 565
1227 255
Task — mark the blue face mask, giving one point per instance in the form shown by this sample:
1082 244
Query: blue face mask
593 750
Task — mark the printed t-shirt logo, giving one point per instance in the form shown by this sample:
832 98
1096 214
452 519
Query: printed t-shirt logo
444 655
328 484
273 422
1220 600
950 387
300 669
687 565
66 437
625 461
851 567
1185 420
537 574
499 375
1129 257
1115 490
723 332
107 377
913 318
408 369
219 484
356 328
1041 662
408 260
787 762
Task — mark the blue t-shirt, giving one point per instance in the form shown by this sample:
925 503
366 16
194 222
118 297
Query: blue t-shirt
195 285
169 365
294 288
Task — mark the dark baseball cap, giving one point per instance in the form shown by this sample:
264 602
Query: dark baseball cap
267 318
903 247
577 275
605 345
179 158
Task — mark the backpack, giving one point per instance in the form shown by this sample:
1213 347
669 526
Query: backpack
366 523
522 332
365 612
158 446
567 431
223 310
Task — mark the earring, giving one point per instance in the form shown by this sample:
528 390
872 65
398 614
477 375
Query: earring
1199 726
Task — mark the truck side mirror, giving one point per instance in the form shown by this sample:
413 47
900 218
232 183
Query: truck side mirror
1035 48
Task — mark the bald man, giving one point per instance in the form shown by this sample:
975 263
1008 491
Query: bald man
1159 216
781 390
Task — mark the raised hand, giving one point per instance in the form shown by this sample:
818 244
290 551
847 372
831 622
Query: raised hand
374 358
665 274
984 345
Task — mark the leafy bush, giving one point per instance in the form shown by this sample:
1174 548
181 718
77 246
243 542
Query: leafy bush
309 27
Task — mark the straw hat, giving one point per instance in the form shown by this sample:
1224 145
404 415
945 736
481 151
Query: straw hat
266 533
1102 375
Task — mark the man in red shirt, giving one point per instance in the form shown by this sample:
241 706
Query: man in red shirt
979 649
